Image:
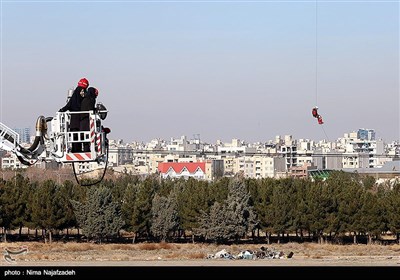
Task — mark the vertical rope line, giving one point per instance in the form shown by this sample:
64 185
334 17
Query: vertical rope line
398 65
326 135
316 52
1 61
316 62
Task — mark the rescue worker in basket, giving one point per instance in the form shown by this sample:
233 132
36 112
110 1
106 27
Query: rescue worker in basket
74 105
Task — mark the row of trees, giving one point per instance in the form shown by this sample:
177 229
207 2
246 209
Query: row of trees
225 210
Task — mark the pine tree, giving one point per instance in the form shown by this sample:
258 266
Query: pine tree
98 216
164 215
46 208
229 220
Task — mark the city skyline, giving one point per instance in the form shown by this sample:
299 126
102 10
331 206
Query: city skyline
23 130
223 70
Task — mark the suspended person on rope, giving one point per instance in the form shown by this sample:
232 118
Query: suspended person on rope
74 105
315 114
320 121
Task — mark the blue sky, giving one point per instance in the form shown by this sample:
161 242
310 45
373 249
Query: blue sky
222 69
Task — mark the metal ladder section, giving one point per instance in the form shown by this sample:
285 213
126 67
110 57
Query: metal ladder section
9 139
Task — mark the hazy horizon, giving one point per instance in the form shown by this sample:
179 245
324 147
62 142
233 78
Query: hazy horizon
248 70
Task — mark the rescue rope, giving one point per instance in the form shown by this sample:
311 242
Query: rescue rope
96 182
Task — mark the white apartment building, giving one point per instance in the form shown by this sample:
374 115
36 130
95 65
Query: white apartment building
119 154
361 150
268 167
181 145
234 148
259 166
10 160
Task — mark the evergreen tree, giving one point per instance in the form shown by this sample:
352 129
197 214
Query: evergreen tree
121 183
301 222
3 216
14 196
164 215
369 218
141 212
98 216
331 210
192 199
69 191
232 219
128 206
215 225
47 210
282 206
239 203
317 209
391 202
348 194
263 205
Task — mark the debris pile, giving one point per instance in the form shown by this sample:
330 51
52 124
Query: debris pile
263 253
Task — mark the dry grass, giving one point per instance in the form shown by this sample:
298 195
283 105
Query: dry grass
157 246
171 251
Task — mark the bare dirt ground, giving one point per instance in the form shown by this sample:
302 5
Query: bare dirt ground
173 254
87 260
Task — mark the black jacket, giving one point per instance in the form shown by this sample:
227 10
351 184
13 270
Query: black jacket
88 104
74 105
89 101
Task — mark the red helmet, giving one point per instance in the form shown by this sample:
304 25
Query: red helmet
83 83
